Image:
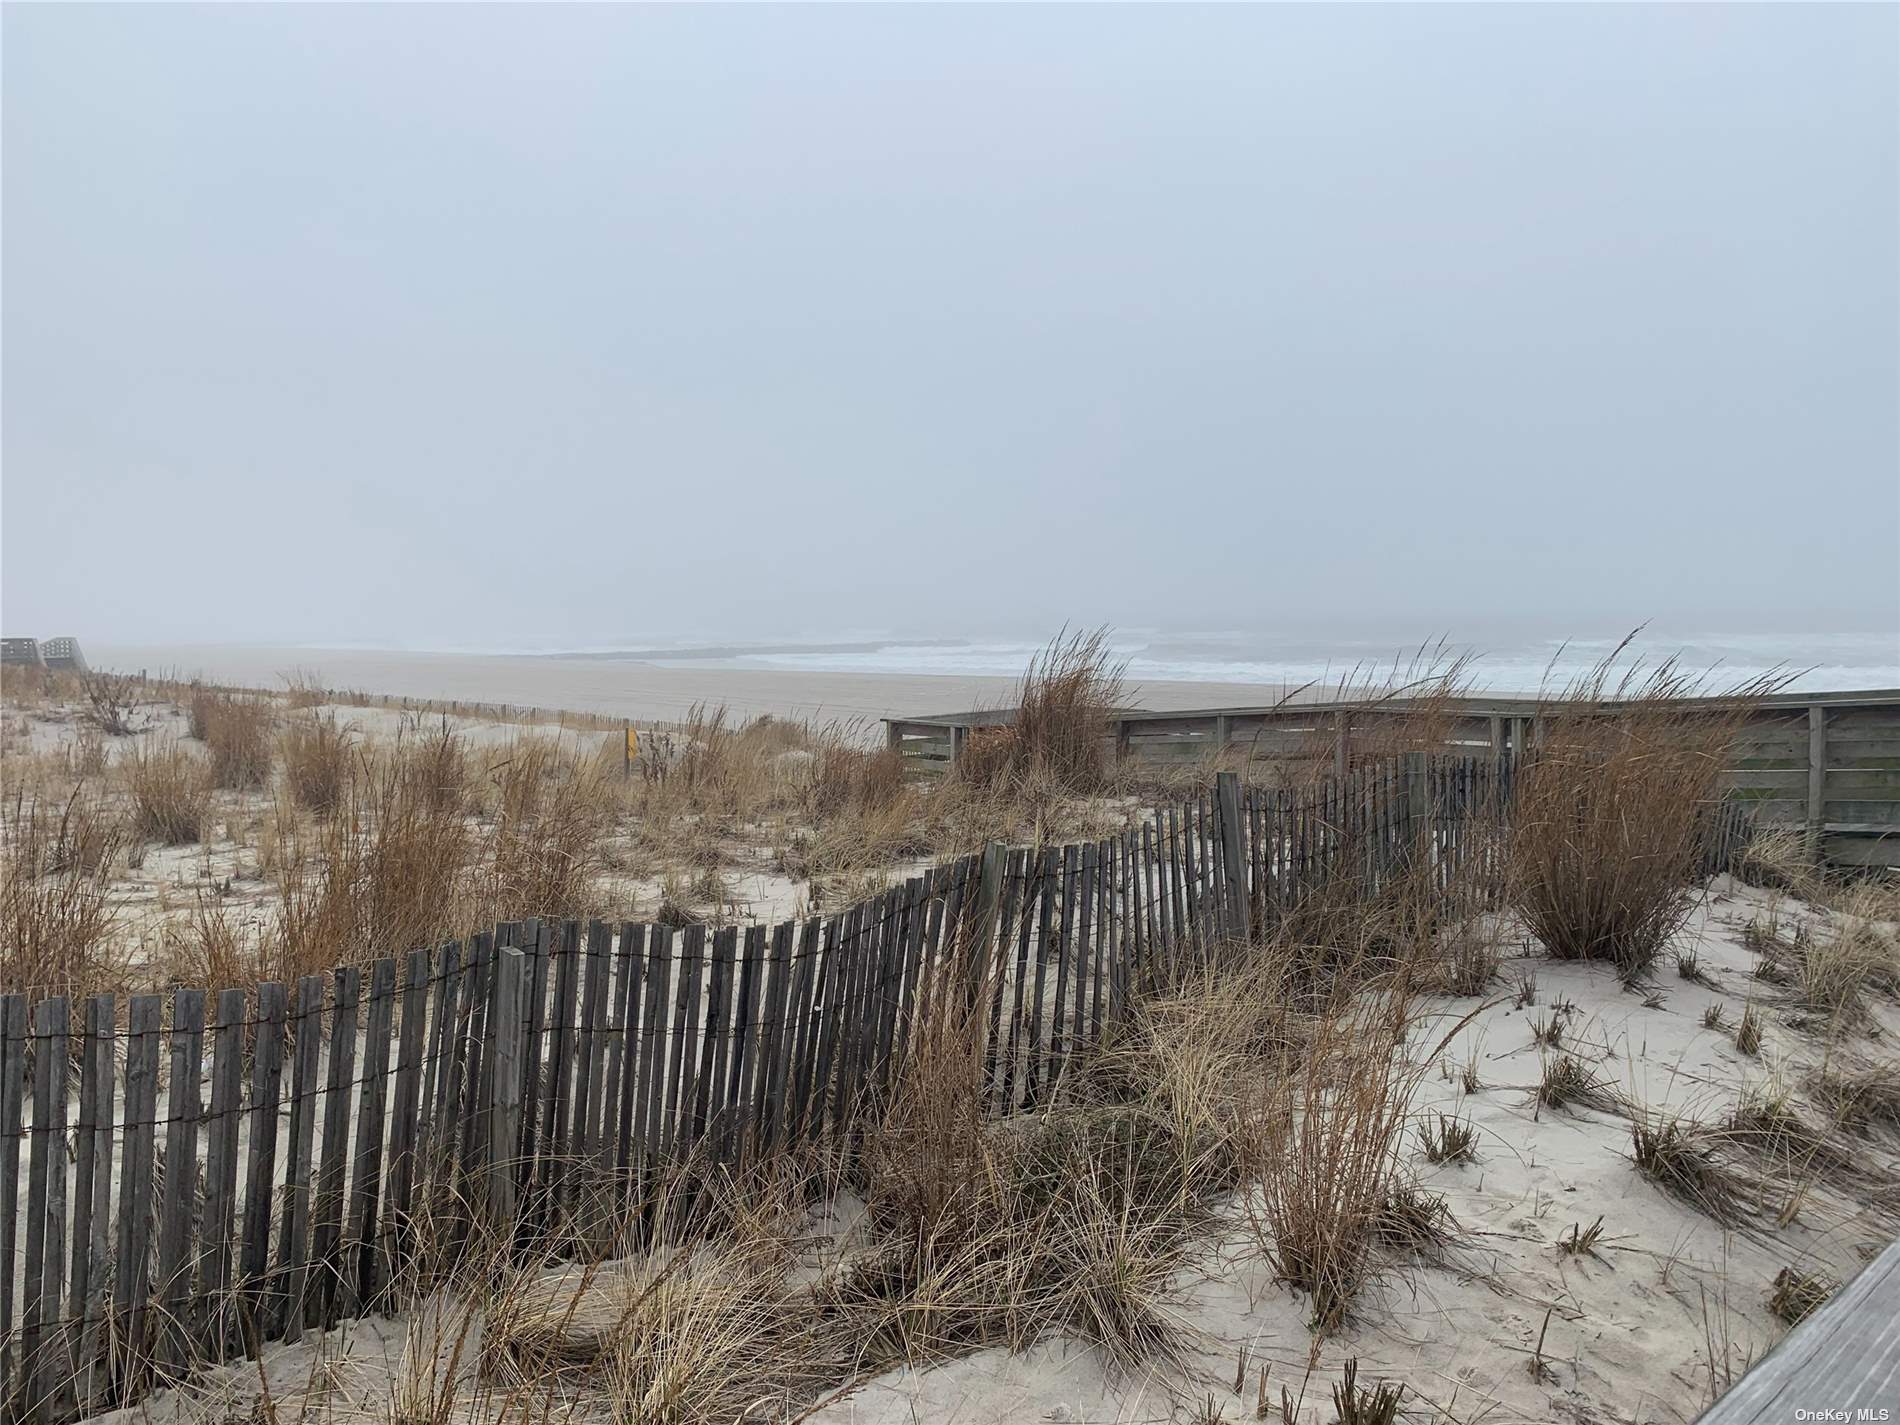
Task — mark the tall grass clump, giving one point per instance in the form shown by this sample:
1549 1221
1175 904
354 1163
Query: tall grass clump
236 731
317 755
1613 807
552 810
387 873
170 790
1328 1151
56 916
1060 730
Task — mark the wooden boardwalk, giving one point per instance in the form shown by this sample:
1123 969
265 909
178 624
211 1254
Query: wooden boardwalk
1842 1363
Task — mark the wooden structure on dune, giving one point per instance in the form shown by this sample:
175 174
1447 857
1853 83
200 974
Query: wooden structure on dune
1825 763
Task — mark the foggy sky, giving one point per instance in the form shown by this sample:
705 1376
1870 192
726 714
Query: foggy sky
454 324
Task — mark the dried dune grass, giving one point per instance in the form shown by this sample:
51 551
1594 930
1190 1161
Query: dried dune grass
170 790
57 923
1612 811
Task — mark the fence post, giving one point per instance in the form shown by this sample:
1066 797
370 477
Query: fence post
1233 855
1817 782
504 1084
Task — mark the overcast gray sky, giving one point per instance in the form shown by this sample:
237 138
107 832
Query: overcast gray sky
453 324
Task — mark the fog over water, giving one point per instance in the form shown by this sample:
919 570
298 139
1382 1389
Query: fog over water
1281 339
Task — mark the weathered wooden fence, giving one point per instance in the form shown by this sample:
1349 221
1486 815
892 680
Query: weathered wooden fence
541 1079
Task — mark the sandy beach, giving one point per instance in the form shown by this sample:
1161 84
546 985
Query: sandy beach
631 689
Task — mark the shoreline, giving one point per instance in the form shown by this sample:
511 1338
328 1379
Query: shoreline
626 688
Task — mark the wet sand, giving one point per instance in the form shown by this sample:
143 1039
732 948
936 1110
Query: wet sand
616 688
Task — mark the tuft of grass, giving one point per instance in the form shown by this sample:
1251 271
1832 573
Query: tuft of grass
317 756
237 738
1689 967
1796 1295
170 790
1330 1130
1860 1095
1612 813
1568 1082
1581 1240
1357 1406
1748 1032
1448 1140
57 921
1671 1152
1060 729
1714 1016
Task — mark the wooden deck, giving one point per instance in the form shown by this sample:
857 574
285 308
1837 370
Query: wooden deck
1842 1363
1826 764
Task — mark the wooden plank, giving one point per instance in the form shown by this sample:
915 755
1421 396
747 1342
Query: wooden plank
773 1046
558 1113
403 1122
364 1275
217 1232
653 1044
744 1057
13 1057
1047 946
1234 850
1087 955
432 1146
472 1132
1035 893
686 1043
260 1167
803 1004
629 1090
826 984
92 1224
509 1030
1840 1363
132 1271
1065 958
996 1052
535 943
1817 770
173 1284
327 1229
45 1358
895 955
590 1046
709 1088
850 950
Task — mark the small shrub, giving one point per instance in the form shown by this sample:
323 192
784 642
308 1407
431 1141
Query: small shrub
111 701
